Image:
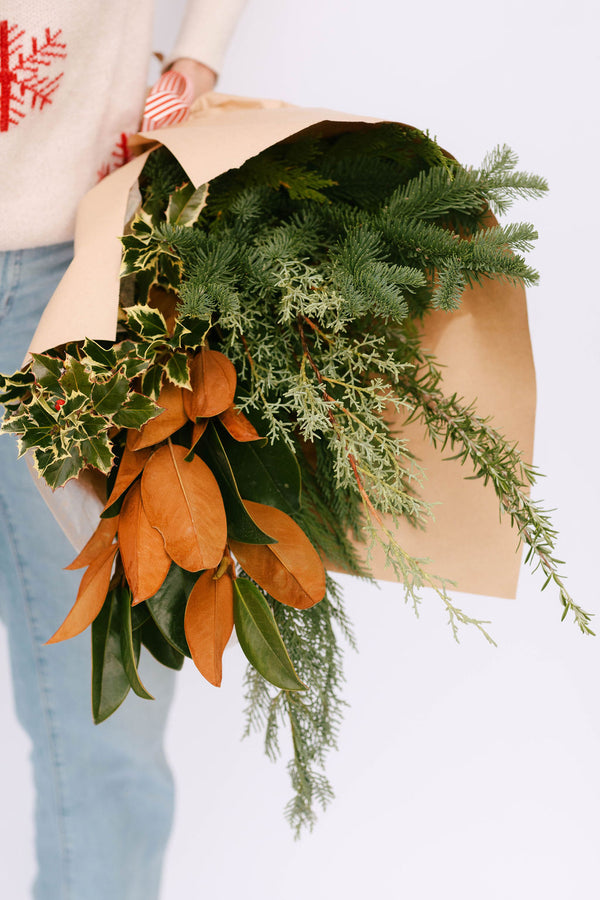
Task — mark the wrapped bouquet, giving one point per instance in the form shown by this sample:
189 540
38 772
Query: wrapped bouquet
259 414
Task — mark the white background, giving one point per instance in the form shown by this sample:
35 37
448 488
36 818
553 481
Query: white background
465 772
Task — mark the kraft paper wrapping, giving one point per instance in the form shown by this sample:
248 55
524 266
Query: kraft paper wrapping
484 346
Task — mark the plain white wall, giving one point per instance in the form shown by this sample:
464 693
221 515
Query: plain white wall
464 772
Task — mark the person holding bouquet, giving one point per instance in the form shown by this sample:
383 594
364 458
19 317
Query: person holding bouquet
72 87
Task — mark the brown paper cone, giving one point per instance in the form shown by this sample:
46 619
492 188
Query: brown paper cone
485 345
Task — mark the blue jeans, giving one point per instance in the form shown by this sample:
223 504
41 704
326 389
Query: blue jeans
104 794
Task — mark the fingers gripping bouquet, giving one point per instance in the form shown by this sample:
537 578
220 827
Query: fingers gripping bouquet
247 416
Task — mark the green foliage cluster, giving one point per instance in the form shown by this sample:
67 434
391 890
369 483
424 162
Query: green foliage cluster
310 267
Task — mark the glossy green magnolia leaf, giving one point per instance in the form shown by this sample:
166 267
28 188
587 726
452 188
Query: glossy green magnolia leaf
129 645
109 396
240 524
167 607
265 473
140 614
159 647
260 639
114 509
178 371
110 684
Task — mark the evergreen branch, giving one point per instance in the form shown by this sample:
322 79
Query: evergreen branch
449 421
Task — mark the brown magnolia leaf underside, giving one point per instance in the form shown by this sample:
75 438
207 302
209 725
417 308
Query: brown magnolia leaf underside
291 570
145 560
90 596
101 538
213 381
164 425
239 427
130 467
166 303
183 501
197 431
209 623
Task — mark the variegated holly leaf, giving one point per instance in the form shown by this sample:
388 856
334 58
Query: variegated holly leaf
185 205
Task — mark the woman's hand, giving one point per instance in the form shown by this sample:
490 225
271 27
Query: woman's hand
203 79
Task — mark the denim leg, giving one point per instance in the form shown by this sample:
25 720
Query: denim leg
104 794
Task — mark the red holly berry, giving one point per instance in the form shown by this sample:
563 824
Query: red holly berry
58 404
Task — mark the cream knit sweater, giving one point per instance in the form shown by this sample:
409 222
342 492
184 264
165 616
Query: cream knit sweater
73 79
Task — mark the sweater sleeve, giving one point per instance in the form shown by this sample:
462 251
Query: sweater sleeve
205 31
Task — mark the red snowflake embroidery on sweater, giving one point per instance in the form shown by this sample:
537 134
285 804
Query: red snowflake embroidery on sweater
27 76
119 156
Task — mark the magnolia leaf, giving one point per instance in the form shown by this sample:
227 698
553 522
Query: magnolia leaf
260 639
166 303
140 614
90 597
108 396
130 467
110 684
178 371
130 646
209 622
135 412
240 524
290 570
238 426
170 420
145 560
198 430
152 638
102 537
265 473
167 607
182 500
213 381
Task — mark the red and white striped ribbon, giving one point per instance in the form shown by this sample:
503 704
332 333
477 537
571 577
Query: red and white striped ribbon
168 102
